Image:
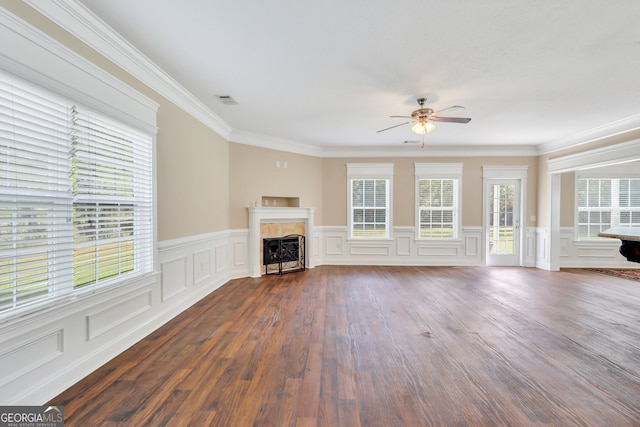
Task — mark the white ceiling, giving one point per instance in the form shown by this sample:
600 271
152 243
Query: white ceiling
329 73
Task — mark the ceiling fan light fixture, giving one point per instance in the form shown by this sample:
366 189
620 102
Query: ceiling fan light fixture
419 128
422 127
429 126
423 119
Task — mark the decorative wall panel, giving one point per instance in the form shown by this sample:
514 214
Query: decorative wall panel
112 315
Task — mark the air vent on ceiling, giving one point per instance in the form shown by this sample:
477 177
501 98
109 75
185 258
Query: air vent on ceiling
227 99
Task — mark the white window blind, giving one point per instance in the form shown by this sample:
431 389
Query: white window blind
437 201
369 213
35 231
607 202
112 199
369 207
75 197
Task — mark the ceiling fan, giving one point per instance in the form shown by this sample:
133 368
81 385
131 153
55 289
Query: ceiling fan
424 118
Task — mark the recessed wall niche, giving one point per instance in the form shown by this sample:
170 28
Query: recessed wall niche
280 202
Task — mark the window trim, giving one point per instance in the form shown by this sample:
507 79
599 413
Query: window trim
57 156
26 51
438 171
370 171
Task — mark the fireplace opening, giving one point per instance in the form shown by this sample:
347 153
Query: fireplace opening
283 254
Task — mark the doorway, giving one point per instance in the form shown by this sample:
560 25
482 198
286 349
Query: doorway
503 222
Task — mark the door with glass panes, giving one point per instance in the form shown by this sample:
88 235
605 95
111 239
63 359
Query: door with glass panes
502 222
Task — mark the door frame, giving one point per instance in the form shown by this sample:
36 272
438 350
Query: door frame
511 173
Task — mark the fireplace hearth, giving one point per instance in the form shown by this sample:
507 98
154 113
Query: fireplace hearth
283 254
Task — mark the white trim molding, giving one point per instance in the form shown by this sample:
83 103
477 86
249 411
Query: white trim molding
32 55
370 170
608 130
438 170
611 155
504 172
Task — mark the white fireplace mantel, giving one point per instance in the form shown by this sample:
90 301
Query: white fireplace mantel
259 214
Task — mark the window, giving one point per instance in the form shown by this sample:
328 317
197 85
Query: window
369 207
437 200
369 200
605 201
436 207
75 196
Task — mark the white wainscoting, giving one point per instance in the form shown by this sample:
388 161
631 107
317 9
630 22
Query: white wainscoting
596 254
542 259
401 249
576 254
530 247
45 352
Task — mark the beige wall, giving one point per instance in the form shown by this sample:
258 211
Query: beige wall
254 173
335 186
192 160
193 176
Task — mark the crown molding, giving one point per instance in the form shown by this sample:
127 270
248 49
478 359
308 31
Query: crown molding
606 156
272 143
78 20
619 127
435 151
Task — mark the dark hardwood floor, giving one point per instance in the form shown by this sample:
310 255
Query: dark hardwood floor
383 346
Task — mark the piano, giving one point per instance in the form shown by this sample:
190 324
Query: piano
630 238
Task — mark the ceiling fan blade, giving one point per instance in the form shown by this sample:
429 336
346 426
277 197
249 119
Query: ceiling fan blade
402 117
450 109
395 126
450 119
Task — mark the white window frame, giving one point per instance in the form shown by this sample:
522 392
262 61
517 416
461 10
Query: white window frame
439 171
32 56
381 171
57 156
615 173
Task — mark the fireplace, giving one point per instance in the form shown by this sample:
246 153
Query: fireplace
283 254
260 215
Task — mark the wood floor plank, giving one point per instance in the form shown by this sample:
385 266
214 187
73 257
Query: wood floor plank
383 346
